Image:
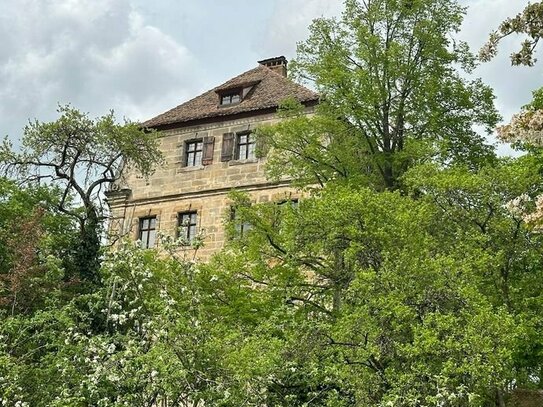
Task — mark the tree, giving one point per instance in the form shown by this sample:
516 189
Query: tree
399 300
167 338
392 94
528 23
424 296
482 207
83 157
33 235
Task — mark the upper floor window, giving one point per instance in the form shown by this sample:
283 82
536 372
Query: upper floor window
240 146
230 98
245 146
193 153
198 151
187 222
147 232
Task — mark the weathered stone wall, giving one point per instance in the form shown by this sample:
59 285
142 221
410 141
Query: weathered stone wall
172 178
173 188
526 398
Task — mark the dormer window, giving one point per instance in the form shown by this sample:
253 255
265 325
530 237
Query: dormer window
235 93
230 98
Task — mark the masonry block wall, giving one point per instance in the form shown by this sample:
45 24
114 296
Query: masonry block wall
198 173
175 188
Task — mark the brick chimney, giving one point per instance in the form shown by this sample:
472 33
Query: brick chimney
277 64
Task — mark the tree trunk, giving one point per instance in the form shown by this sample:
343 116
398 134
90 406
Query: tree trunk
87 254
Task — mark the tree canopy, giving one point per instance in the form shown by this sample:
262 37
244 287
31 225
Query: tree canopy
392 94
82 157
409 274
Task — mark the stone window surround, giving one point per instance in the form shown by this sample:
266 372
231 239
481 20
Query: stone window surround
247 143
184 216
147 227
190 150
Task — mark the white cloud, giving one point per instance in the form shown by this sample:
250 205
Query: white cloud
290 21
96 54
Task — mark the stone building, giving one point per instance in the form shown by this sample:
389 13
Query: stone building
209 149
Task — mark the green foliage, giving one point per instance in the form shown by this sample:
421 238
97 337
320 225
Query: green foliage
407 275
478 206
33 234
398 300
161 329
392 94
82 157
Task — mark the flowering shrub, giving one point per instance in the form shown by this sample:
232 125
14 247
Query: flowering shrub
142 339
525 127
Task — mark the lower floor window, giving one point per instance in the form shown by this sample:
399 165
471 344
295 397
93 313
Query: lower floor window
292 202
147 232
187 222
241 226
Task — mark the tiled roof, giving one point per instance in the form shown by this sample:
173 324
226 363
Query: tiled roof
268 90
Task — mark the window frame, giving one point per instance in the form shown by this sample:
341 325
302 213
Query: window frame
187 152
241 228
293 202
250 153
184 231
147 231
226 98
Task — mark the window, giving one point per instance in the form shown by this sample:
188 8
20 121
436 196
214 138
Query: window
147 234
230 98
292 202
240 146
241 227
245 146
193 153
187 222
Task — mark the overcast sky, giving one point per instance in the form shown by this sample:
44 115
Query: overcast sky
143 57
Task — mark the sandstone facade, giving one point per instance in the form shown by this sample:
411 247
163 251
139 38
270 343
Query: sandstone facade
178 187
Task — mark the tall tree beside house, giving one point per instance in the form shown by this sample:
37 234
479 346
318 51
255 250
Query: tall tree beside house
82 157
429 297
390 76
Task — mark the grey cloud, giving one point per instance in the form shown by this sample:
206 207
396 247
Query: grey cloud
95 54
290 21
